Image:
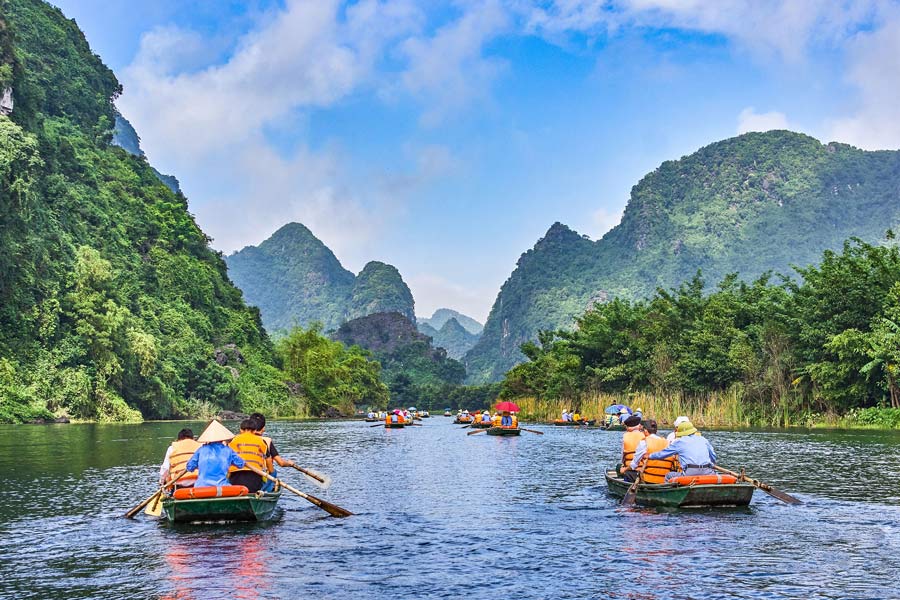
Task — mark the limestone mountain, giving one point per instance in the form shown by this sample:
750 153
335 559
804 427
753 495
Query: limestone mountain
125 137
295 279
442 315
749 204
452 336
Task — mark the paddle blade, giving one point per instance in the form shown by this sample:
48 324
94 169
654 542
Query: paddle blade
631 495
319 479
780 495
332 509
477 432
154 509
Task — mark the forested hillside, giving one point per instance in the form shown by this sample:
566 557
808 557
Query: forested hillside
112 304
750 204
452 336
295 279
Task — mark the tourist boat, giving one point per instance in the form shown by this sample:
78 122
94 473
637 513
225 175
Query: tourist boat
617 427
480 425
237 506
372 419
394 425
562 423
504 431
447 413
674 495
463 420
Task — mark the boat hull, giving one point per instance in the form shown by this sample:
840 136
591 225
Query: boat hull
462 421
252 507
559 423
503 431
613 428
670 495
394 425
481 426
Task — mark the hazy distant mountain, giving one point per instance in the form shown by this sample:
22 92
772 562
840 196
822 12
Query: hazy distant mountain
749 204
295 279
442 315
125 136
452 336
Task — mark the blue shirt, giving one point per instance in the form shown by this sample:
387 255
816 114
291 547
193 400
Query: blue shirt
691 450
213 460
506 421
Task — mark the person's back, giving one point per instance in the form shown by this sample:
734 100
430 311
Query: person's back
630 440
694 452
655 471
253 450
177 456
576 417
485 417
213 459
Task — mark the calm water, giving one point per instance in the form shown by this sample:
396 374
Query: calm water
445 515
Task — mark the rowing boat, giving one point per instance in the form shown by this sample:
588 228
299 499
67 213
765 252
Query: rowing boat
394 425
463 420
671 495
613 428
561 423
504 431
253 507
481 425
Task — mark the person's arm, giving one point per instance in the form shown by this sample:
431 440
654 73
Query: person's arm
164 468
712 453
666 452
235 459
639 453
194 461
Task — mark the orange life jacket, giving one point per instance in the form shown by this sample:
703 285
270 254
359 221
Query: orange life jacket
655 470
630 442
181 453
252 448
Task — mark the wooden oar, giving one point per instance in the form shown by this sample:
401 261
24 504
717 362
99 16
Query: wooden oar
321 480
631 495
763 486
130 514
532 431
332 509
377 425
477 432
465 426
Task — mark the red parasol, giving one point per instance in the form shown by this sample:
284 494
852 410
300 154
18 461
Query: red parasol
510 406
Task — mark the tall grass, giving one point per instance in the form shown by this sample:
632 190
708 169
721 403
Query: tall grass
713 410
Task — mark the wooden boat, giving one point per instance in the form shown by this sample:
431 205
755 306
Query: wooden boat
480 425
252 507
617 427
671 495
394 425
561 423
463 420
375 420
504 431
448 413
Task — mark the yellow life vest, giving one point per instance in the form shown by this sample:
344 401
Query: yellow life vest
655 471
182 451
515 421
252 448
577 418
630 442
496 420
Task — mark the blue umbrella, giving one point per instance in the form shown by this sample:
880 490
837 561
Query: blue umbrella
616 408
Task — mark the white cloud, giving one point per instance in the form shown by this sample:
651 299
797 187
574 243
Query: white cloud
750 120
605 219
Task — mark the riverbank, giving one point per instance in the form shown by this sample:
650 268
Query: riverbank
715 411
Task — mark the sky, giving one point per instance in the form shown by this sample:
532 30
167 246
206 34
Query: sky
446 137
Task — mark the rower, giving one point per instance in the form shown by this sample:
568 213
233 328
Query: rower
177 455
695 454
250 447
655 471
214 457
633 436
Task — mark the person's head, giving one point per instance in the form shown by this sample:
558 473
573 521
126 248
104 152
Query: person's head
215 433
650 425
247 425
185 434
685 428
679 420
261 418
632 421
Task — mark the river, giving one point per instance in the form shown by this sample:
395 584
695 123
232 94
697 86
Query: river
440 514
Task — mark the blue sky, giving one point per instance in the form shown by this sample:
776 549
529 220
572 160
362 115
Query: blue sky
446 137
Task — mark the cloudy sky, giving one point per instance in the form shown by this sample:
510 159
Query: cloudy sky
445 137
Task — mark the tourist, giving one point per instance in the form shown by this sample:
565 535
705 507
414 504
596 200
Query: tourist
566 417
214 457
252 448
177 456
694 452
633 436
395 417
576 416
508 420
486 416
655 471
678 421
272 452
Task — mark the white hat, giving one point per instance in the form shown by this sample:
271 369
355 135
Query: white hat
215 432
679 421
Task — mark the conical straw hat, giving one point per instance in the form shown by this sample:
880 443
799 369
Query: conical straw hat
215 432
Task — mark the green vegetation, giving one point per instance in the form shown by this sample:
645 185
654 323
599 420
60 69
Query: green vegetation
112 304
755 203
785 353
295 279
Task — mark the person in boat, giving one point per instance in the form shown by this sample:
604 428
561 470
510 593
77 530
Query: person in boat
576 416
634 435
486 417
213 459
177 456
694 452
395 417
655 471
639 412
678 421
371 414
272 453
565 416
508 419
251 447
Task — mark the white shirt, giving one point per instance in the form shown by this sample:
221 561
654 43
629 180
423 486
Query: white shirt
671 437
164 469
